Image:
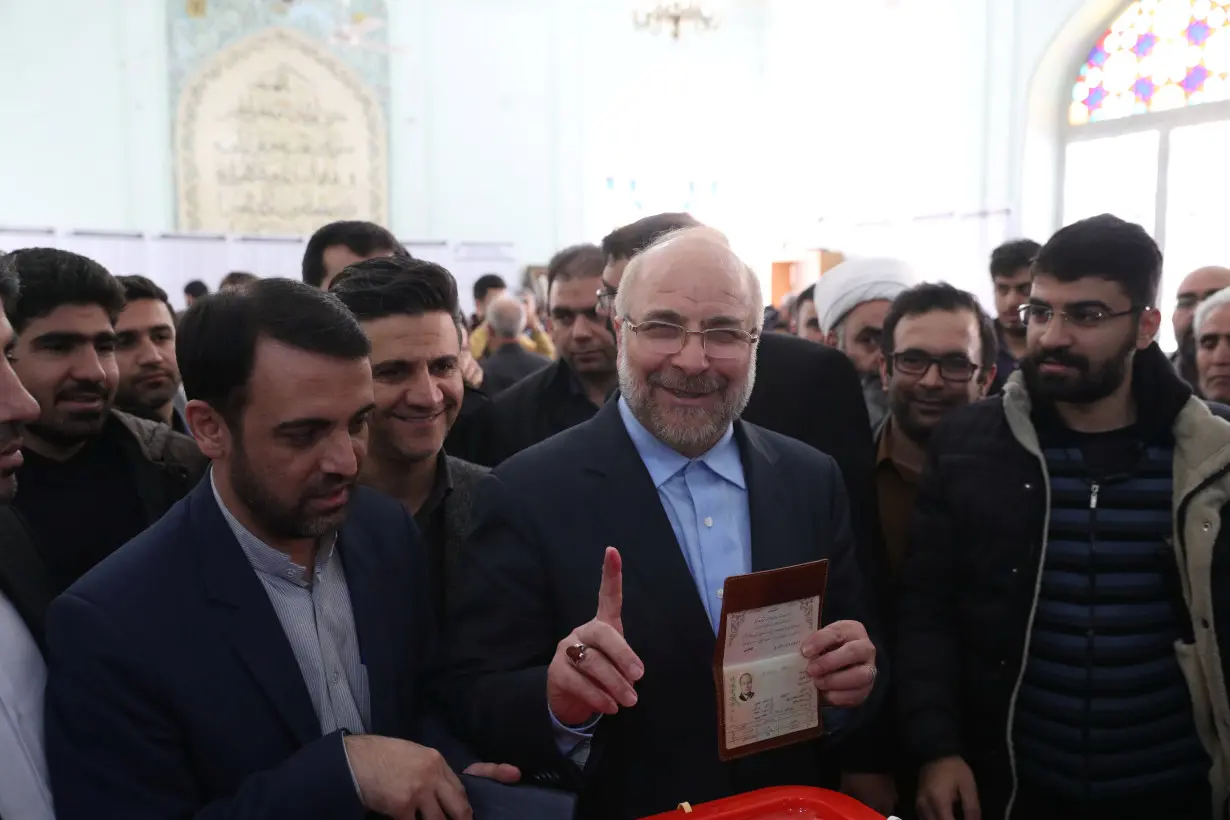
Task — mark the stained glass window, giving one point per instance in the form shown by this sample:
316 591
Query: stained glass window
1158 55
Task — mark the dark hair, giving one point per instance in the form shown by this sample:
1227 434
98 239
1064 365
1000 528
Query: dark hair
807 294
196 289
628 241
577 262
217 338
50 278
396 286
1105 247
362 238
487 283
140 287
8 281
237 279
1013 256
934 296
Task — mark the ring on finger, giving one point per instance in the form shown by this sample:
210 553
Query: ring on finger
576 653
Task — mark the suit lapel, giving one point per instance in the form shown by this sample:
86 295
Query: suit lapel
247 618
24 578
636 524
375 646
776 539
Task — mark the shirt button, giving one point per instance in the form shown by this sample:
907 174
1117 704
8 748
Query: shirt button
1206 526
708 522
337 676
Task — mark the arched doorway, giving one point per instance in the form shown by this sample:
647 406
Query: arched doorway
1147 121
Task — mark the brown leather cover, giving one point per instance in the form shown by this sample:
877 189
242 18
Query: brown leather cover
753 591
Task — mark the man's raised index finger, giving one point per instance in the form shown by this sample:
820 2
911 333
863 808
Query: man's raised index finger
611 592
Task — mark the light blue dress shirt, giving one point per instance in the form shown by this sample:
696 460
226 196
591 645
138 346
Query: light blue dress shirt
705 499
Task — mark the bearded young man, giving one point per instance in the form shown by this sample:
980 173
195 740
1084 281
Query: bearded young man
670 485
1058 650
265 650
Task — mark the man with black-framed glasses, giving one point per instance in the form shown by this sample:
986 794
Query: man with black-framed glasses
939 354
1062 643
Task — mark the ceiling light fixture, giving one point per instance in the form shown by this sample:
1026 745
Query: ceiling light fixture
672 17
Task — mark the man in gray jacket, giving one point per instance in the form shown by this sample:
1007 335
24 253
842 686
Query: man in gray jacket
408 308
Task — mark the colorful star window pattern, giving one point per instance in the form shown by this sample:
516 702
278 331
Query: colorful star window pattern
1157 56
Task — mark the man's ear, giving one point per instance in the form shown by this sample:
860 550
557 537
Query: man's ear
830 338
884 375
209 429
1147 328
987 379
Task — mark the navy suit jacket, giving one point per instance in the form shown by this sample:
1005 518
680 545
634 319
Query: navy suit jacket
530 573
173 691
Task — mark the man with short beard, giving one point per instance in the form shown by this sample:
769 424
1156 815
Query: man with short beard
408 308
25 594
1061 646
572 388
1011 278
265 650
93 476
670 484
939 354
145 353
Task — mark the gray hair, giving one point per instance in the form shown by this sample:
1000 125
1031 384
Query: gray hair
699 233
1206 308
506 316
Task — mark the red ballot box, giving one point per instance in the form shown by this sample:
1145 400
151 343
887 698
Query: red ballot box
784 803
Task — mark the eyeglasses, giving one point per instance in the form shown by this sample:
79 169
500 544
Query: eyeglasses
666 339
1082 316
606 297
952 368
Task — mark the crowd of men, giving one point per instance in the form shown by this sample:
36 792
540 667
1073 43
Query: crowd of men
331 549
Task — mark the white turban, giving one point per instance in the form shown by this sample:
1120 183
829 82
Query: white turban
856 281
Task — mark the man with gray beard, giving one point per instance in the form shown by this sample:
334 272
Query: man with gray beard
670 483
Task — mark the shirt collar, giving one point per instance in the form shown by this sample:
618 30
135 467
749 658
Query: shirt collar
663 462
265 559
884 451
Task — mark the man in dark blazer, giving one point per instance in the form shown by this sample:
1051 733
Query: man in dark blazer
265 649
640 514
25 593
803 390
572 388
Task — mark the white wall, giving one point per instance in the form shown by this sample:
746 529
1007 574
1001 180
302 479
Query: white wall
505 115
83 95
925 129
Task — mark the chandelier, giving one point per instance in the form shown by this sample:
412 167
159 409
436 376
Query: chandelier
672 17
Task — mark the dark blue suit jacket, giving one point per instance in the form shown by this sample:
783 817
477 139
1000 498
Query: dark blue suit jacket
173 691
530 573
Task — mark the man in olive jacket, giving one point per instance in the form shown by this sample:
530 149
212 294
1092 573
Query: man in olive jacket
1059 652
